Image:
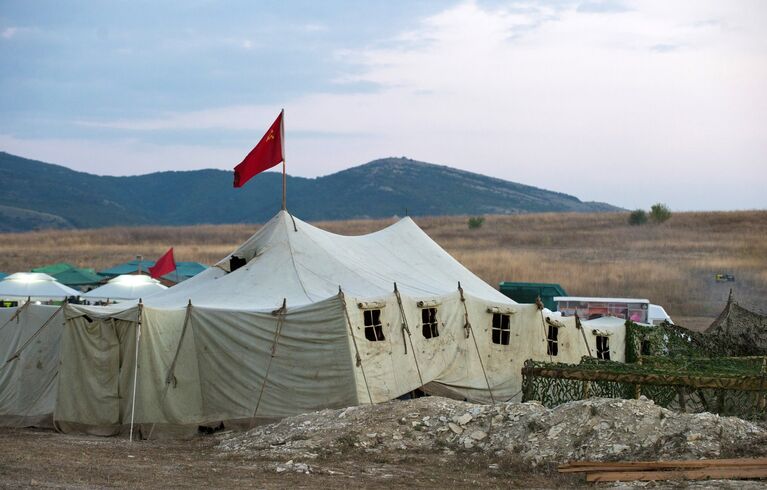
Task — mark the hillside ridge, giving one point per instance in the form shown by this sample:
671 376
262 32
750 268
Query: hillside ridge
35 195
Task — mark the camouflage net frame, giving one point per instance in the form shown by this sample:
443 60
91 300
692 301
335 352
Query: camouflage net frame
686 371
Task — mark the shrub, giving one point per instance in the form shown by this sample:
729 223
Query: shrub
659 213
476 222
638 217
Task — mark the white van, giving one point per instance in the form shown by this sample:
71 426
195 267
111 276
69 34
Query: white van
634 309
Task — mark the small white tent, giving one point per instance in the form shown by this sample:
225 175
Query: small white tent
126 287
34 285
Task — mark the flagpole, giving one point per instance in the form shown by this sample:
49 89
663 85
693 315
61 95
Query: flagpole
282 142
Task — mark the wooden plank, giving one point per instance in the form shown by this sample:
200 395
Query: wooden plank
692 474
583 466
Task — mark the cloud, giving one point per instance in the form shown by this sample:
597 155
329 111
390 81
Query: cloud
9 32
596 105
313 27
664 48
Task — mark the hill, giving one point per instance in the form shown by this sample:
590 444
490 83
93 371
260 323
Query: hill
35 195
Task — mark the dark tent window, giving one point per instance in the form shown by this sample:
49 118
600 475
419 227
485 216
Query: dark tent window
429 322
552 341
373 327
603 347
501 331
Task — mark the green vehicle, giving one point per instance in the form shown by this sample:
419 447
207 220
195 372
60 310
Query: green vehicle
527 292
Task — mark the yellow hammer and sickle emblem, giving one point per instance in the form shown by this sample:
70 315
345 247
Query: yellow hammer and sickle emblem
271 135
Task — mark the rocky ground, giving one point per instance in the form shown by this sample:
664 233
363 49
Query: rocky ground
428 442
598 429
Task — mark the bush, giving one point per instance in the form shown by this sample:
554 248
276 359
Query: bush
638 217
659 213
476 222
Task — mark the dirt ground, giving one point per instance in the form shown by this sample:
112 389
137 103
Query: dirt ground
46 459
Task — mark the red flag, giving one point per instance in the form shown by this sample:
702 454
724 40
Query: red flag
267 153
164 265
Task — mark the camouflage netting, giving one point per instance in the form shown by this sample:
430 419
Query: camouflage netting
722 371
743 328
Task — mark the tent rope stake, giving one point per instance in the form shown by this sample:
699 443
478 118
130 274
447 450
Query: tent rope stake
135 370
354 341
280 313
405 328
467 327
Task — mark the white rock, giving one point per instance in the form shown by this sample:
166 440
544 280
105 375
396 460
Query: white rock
478 435
464 419
455 428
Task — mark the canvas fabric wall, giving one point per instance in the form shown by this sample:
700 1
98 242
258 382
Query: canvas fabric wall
28 383
220 373
461 362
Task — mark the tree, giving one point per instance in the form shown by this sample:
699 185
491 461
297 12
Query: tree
659 213
476 222
638 217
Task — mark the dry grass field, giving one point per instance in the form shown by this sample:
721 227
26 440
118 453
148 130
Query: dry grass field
672 264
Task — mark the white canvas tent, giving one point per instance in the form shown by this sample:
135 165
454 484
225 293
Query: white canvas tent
311 320
29 363
126 287
34 285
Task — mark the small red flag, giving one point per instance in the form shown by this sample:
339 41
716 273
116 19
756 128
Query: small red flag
267 153
164 265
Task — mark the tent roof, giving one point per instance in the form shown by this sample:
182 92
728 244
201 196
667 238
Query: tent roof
126 287
130 267
288 258
185 270
69 274
35 285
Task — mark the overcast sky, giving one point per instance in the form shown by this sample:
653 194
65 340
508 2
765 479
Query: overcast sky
619 101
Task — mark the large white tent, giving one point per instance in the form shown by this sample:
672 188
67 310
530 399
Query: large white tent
126 287
298 319
34 285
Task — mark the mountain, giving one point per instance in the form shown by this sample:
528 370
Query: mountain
36 195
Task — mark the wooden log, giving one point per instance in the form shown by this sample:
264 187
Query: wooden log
584 466
734 473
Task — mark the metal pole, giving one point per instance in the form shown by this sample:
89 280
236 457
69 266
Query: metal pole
135 370
282 142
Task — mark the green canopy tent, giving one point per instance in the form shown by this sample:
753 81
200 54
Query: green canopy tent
184 270
70 275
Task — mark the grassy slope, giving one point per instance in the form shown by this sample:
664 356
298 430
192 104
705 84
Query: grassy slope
589 254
